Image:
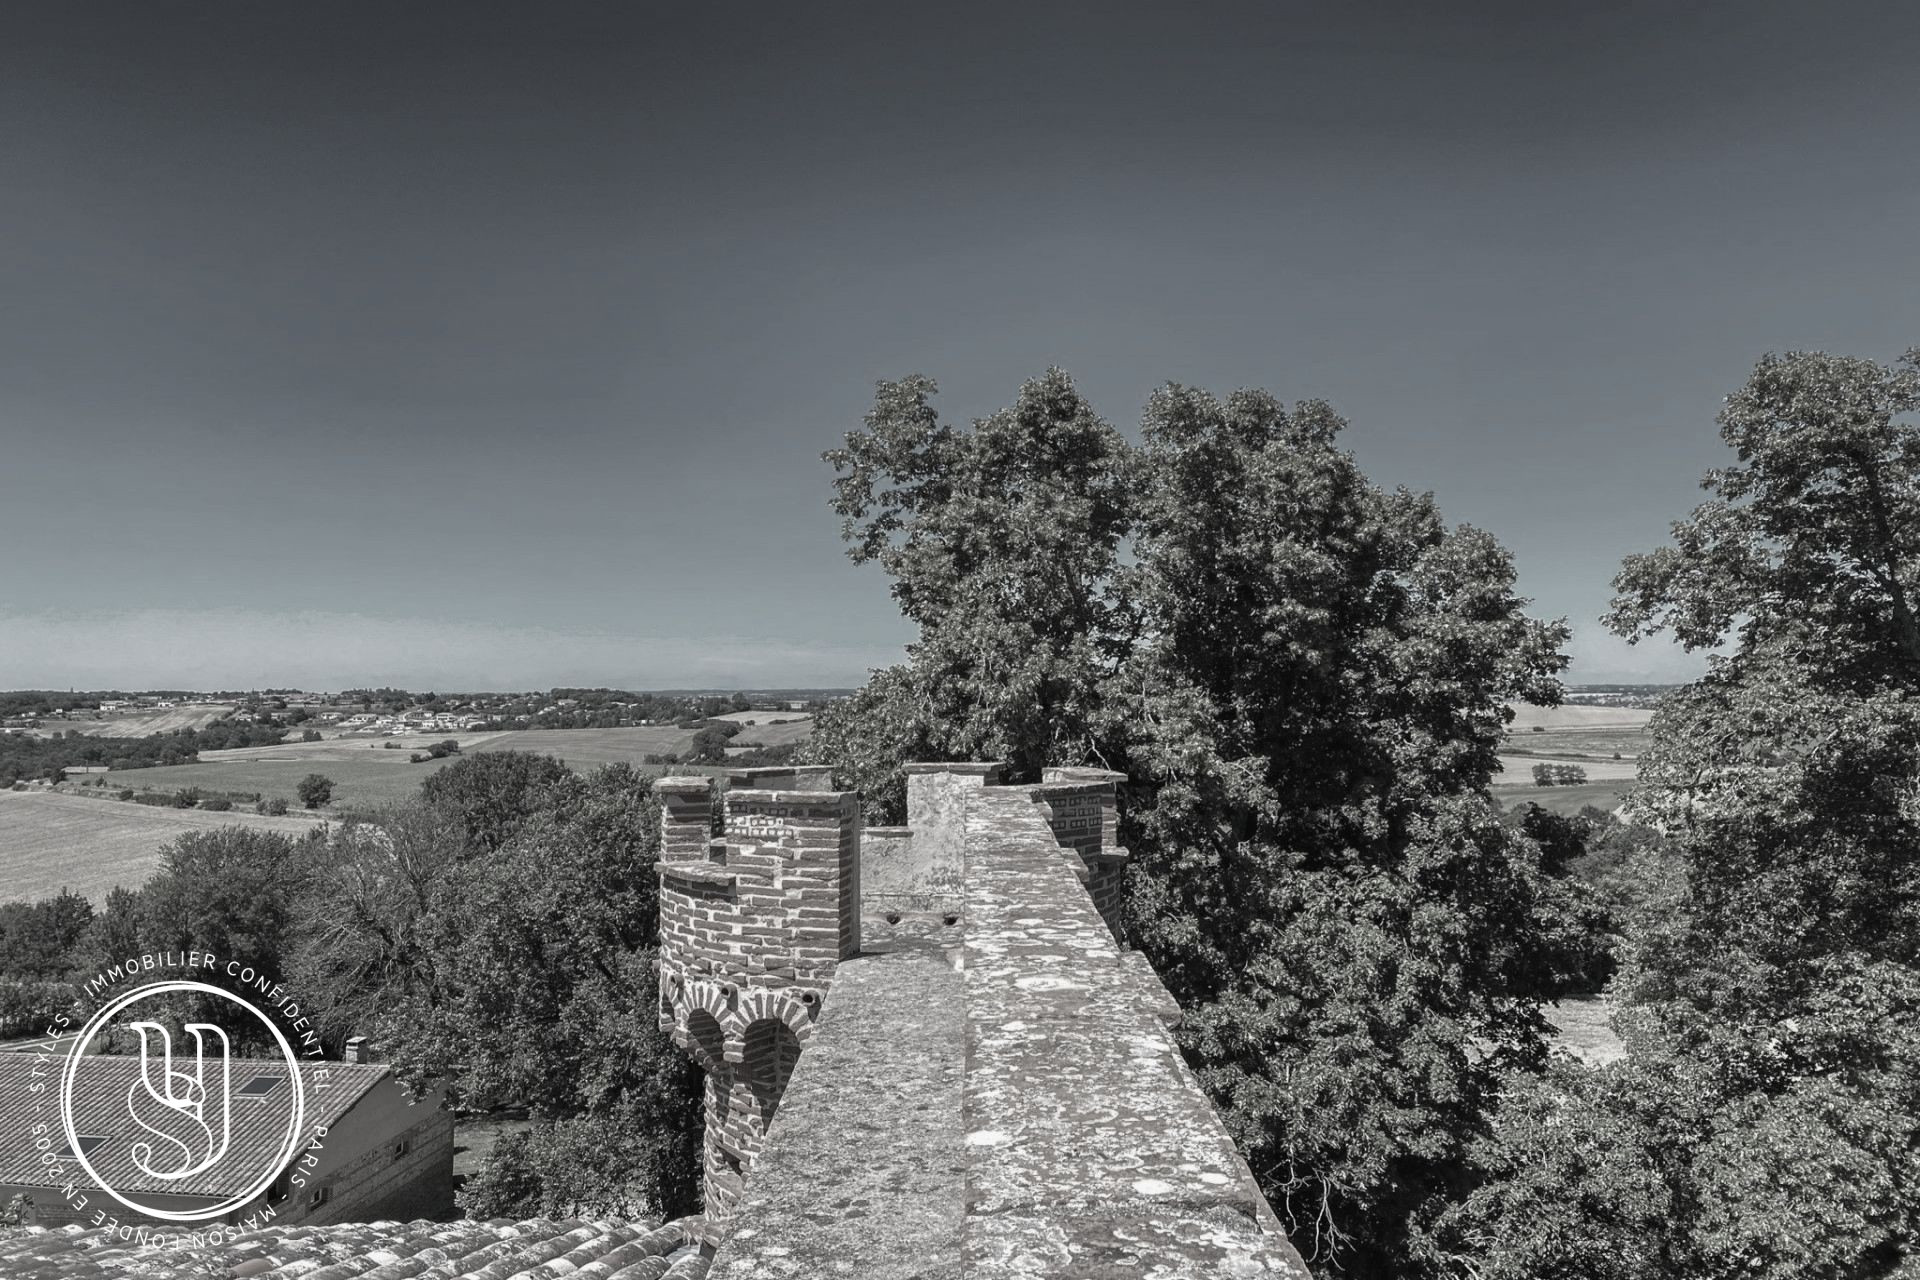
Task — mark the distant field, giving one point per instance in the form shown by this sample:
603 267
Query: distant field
350 748
586 748
1518 767
1583 1030
759 717
372 777
797 729
366 772
1566 800
1552 718
140 724
50 841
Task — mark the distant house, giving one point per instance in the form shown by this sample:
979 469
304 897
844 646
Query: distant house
385 1156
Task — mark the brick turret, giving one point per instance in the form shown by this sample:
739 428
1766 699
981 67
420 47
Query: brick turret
751 929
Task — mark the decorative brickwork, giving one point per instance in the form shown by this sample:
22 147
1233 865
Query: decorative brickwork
751 929
1081 811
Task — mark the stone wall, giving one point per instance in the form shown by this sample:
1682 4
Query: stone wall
988 1088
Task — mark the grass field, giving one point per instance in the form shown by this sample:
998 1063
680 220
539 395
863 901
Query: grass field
586 748
1583 1030
775 735
372 777
141 723
366 772
349 748
1517 767
50 841
1566 800
1559 719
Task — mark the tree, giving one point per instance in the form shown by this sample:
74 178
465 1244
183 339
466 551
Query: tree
554 1012
37 938
228 891
1761 1125
314 790
1001 541
1305 679
362 919
1320 875
492 794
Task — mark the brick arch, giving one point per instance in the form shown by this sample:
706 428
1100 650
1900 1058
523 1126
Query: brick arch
771 1050
705 1039
782 1005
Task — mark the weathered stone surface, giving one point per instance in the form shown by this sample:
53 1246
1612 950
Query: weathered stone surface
989 1089
936 813
862 1171
1091 1149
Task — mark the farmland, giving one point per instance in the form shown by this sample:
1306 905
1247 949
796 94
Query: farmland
1581 1027
139 724
1605 742
359 782
586 748
49 841
367 773
763 734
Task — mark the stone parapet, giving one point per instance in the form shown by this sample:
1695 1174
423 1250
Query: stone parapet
997 1092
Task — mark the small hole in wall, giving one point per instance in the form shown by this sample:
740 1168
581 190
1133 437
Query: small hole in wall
893 917
950 918
808 999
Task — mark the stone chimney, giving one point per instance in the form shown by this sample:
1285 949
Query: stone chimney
358 1049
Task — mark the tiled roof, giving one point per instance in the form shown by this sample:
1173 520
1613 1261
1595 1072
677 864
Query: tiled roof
538 1249
100 1106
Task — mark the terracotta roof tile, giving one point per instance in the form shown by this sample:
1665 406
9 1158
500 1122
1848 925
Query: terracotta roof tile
260 1124
537 1249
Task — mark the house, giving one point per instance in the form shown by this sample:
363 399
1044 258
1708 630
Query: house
385 1154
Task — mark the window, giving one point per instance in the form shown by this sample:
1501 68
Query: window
319 1196
259 1086
88 1141
401 1147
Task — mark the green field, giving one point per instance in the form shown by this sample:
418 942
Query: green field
775 735
1566 800
50 841
1582 1029
366 773
585 748
358 783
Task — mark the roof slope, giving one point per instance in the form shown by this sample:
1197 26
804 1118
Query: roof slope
100 1106
537 1249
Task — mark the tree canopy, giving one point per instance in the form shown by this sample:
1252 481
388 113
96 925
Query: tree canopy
1762 1123
1304 677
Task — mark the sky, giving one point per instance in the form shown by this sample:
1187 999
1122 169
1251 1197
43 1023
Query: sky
481 346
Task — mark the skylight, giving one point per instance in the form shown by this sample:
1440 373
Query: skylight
260 1086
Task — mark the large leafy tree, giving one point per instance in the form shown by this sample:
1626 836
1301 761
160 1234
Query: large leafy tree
1001 541
1305 678
1762 1124
1356 936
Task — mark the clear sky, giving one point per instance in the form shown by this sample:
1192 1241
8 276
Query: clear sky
482 346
